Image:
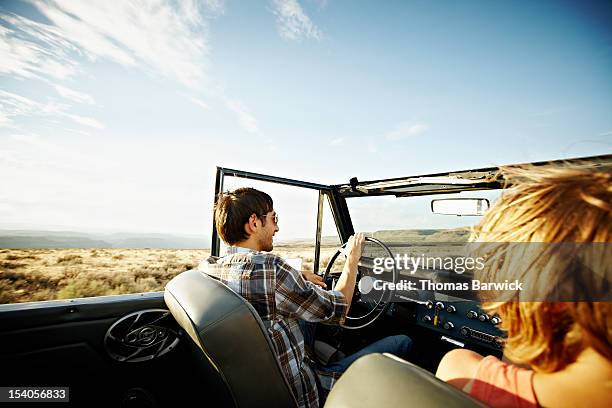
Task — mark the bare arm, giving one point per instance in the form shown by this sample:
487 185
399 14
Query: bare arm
346 282
458 368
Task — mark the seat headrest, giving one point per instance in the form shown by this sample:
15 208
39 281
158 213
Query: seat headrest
384 380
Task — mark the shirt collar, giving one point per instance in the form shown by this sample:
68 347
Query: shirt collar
231 250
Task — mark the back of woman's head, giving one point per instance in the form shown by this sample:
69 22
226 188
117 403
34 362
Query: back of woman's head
551 204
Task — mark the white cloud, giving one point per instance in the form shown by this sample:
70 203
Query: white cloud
76 27
246 119
73 95
17 101
151 34
292 21
405 130
13 105
85 121
200 103
53 108
608 133
158 36
34 50
337 142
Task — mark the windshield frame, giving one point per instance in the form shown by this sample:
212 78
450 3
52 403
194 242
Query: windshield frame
488 178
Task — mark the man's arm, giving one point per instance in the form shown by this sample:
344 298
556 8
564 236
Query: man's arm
346 282
314 278
296 297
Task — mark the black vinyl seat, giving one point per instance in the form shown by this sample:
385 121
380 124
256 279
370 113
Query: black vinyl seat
232 337
384 380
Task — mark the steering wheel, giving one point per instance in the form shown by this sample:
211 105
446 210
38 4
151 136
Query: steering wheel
364 285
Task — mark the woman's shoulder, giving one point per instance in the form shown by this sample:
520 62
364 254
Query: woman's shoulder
498 383
458 367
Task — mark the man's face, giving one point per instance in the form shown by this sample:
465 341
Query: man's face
266 233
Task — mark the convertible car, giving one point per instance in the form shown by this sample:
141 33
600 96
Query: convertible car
198 343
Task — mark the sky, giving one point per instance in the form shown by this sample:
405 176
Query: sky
114 115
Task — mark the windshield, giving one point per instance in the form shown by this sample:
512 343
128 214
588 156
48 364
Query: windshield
410 219
434 242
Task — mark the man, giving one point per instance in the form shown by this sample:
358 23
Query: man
245 220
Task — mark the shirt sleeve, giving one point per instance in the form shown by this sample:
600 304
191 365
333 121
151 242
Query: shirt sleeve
296 297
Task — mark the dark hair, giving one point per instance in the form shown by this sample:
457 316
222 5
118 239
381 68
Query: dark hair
233 209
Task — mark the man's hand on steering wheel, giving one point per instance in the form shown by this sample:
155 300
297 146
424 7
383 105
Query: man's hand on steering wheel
354 247
350 278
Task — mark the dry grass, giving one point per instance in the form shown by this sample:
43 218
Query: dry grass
45 274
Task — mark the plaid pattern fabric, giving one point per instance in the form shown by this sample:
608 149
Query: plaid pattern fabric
281 296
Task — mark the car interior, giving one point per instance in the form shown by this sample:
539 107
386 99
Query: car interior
200 342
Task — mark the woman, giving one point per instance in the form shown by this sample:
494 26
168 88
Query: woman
564 348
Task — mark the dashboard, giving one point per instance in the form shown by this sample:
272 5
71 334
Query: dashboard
457 321
454 316
461 322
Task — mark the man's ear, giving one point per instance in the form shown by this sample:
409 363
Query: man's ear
251 225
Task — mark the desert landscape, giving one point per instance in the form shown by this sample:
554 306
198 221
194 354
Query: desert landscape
43 273
28 275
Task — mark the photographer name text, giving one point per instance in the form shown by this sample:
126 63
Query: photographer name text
425 284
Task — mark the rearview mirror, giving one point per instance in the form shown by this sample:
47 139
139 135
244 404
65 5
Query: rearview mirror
460 206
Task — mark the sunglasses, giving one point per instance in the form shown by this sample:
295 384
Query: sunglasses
274 217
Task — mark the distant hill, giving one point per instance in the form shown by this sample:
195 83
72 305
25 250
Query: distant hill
423 235
71 239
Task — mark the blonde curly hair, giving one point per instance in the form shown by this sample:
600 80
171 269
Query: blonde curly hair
550 204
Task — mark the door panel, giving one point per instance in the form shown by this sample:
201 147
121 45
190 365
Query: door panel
61 343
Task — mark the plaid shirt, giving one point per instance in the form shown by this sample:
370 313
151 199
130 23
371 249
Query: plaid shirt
281 296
